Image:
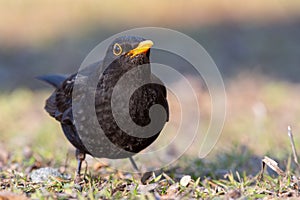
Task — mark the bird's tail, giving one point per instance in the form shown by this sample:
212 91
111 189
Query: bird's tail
54 80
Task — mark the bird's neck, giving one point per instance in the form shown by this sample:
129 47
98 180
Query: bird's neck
132 75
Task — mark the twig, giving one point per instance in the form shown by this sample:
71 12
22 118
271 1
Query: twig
290 134
273 165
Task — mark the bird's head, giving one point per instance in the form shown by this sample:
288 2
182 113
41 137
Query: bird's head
128 51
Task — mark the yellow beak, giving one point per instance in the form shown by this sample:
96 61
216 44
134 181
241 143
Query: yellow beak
141 48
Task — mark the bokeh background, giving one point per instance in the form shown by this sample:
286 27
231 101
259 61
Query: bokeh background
255 44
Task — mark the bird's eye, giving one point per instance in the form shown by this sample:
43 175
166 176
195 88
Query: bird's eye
117 50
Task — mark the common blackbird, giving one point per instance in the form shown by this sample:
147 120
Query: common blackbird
124 54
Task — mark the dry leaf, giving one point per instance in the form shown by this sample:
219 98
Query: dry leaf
11 196
171 192
99 165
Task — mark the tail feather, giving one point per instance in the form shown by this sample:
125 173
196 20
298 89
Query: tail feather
54 80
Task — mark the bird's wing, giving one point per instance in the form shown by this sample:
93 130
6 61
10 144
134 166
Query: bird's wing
50 105
63 99
59 104
163 90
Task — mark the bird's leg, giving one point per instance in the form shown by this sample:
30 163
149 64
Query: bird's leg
133 164
143 176
80 156
85 170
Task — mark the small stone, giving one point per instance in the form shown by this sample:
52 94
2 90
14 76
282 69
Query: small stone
45 174
184 181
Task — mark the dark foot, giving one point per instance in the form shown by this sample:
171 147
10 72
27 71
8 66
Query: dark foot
146 178
80 156
78 179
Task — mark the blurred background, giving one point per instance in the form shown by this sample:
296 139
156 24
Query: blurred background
255 44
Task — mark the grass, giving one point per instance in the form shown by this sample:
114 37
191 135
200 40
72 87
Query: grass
167 184
257 119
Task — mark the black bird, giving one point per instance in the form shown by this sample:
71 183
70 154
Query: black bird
124 54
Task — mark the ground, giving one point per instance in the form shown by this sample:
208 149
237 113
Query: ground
232 169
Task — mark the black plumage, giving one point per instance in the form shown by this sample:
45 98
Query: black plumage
124 54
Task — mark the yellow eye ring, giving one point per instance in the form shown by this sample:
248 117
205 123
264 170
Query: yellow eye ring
117 49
